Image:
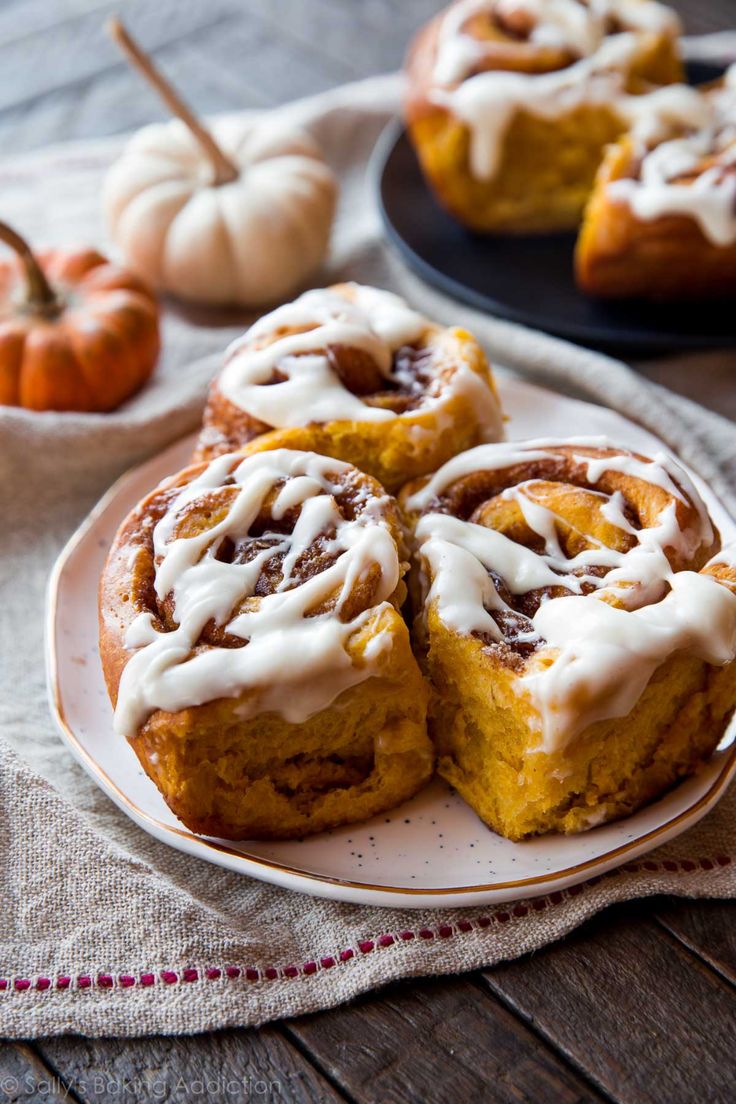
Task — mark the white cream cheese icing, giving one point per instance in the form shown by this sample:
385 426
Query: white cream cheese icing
707 133
653 116
308 390
295 660
710 199
594 659
487 101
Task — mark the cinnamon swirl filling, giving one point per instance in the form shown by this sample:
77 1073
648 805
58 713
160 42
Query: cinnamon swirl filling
494 58
255 574
578 564
354 372
349 353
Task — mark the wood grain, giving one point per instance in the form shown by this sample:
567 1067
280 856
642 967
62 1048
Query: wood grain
63 79
627 1004
71 52
637 1003
432 1041
24 1076
708 928
225 1065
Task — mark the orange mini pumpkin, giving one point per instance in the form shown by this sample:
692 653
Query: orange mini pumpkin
76 332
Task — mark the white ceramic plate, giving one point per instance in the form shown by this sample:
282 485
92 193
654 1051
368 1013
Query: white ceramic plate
432 851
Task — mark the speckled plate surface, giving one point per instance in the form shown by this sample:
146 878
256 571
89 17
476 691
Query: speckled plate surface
432 851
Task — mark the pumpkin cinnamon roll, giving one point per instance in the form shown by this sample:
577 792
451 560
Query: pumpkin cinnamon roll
510 103
354 372
254 651
661 222
578 625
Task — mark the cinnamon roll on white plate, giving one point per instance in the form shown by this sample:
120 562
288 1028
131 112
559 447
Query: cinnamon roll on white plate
353 372
253 648
578 626
431 852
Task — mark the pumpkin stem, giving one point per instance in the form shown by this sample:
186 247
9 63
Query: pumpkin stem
40 296
225 169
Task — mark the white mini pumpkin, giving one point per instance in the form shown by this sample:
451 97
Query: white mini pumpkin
251 240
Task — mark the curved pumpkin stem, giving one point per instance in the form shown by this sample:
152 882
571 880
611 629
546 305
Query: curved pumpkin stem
40 296
225 169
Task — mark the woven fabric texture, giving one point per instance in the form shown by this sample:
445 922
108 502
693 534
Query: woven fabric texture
107 931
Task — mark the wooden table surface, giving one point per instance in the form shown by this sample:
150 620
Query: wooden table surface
637 1005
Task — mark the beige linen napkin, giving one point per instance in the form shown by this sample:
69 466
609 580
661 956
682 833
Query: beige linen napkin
105 930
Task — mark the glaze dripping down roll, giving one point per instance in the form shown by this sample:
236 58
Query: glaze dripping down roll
578 625
353 372
510 103
254 651
661 222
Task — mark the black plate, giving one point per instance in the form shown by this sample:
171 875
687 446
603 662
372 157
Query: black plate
529 279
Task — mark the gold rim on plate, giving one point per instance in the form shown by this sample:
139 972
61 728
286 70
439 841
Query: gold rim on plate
728 768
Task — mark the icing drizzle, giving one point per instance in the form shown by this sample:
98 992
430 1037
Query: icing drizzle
598 60
294 656
280 371
588 660
692 173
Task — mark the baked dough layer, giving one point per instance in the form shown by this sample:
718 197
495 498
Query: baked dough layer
335 731
546 160
438 399
487 741
577 624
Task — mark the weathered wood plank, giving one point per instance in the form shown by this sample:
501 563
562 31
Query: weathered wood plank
708 928
254 54
626 1004
24 1076
228 89
118 101
433 1041
392 17
222 68
225 1065
78 48
336 32
20 19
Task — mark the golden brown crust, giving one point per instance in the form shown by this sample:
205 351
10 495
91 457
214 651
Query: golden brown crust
270 780
547 166
231 772
436 420
485 728
620 256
